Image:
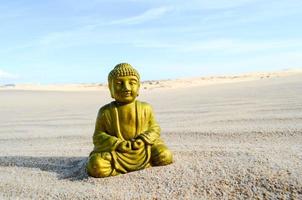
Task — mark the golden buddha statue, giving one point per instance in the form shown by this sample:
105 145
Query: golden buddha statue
126 136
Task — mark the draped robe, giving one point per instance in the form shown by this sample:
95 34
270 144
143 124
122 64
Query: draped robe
107 136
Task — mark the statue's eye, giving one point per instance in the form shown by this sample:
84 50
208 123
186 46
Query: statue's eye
118 82
132 82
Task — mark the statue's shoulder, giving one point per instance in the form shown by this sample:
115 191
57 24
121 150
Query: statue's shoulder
145 105
104 109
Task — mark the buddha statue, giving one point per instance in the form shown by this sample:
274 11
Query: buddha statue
126 136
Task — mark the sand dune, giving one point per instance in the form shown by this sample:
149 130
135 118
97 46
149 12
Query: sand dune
157 84
235 139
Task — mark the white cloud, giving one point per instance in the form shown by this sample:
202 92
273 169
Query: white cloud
239 46
148 15
100 32
55 36
220 4
6 75
82 35
199 4
270 61
224 45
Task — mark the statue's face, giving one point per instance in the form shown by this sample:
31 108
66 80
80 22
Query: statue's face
124 89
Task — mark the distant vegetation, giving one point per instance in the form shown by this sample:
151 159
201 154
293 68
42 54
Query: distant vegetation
8 85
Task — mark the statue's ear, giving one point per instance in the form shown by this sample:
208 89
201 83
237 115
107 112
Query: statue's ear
139 86
111 89
112 95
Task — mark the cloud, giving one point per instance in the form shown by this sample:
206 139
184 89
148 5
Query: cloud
6 75
271 61
224 45
219 4
254 63
268 11
148 15
55 36
241 46
86 34
199 4
176 35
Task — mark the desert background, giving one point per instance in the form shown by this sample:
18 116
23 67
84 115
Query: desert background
233 137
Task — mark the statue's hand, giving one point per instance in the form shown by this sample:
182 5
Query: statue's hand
137 144
124 147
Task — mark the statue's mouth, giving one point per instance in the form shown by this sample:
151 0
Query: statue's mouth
127 94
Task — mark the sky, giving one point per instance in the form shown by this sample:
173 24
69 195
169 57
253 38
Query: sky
67 41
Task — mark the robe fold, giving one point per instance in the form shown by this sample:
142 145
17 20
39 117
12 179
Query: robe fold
107 136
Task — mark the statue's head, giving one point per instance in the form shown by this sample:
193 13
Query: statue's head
124 83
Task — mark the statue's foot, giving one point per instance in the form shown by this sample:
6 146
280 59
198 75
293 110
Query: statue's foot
99 165
161 155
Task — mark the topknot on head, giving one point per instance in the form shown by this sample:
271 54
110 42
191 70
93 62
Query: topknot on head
123 69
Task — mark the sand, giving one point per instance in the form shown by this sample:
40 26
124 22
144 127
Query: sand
232 139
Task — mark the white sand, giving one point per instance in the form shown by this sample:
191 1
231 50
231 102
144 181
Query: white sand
241 139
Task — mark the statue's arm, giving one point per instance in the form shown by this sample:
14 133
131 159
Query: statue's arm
153 131
103 142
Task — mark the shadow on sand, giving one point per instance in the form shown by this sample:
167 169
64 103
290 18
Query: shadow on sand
71 168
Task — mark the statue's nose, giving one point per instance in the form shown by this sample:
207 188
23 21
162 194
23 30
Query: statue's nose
127 86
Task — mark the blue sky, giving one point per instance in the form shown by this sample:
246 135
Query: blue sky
67 41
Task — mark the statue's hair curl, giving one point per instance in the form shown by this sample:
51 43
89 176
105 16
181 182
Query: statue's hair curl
123 69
